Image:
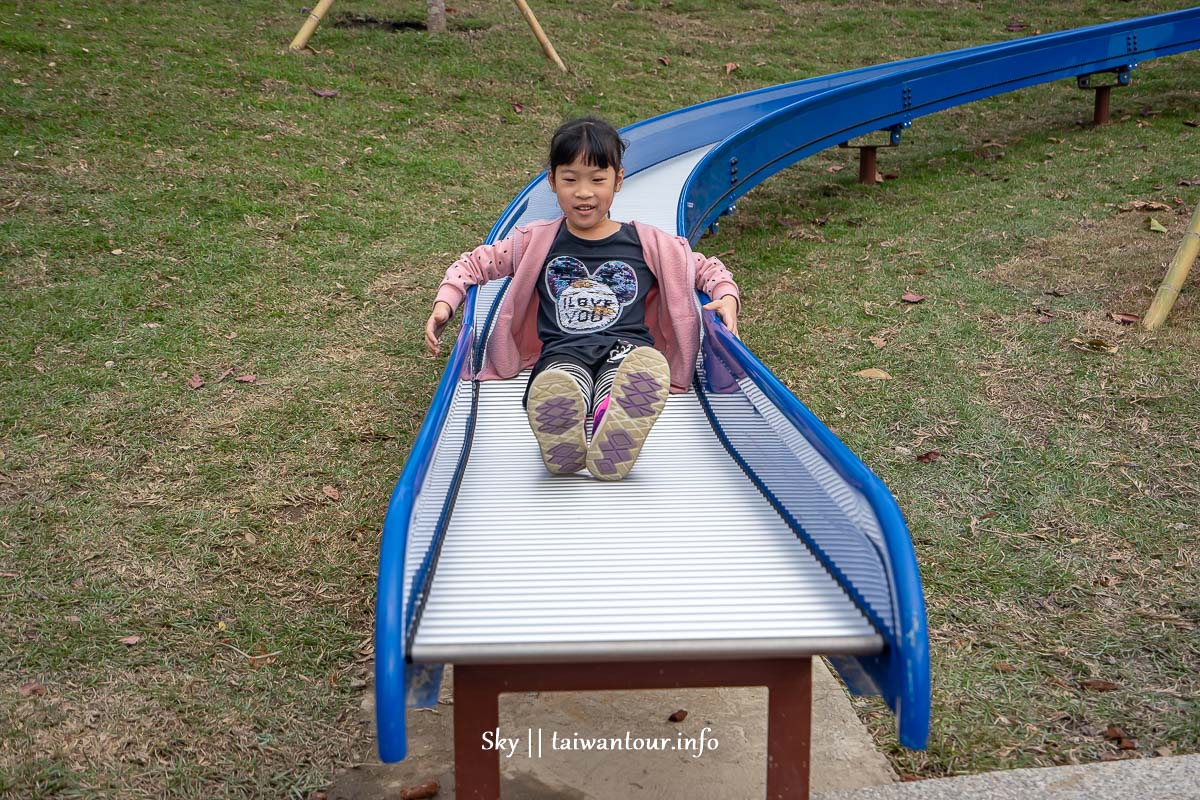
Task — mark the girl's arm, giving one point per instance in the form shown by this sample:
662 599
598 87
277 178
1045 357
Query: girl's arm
715 279
484 263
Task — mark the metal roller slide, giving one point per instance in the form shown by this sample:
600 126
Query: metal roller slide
747 528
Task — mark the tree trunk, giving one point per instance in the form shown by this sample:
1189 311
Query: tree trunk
435 18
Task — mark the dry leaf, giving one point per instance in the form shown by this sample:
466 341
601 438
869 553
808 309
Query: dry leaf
331 493
1003 666
246 378
1093 345
517 107
911 297
32 689
130 641
1186 182
324 92
836 168
1114 732
1098 685
1125 319
419 792
873 374
678 716
225 374
929 457
730 67
1191 123
1145 205
195 382
250 537
878 341
1127 744
666 62
118 252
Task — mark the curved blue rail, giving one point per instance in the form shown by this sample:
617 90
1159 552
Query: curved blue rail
393 610
901 673
894 99
666 136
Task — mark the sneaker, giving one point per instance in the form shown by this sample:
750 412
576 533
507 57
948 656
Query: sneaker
556 411
638 395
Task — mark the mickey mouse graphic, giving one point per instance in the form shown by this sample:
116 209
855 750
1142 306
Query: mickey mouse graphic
584 301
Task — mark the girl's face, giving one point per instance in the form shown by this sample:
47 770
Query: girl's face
585 194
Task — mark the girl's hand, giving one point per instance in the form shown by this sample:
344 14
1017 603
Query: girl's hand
436 324
727 309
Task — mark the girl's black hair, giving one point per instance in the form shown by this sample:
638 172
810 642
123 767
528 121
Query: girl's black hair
590 137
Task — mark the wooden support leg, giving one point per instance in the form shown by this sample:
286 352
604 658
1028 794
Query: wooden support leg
476 710
477 690
789 729
1100 114
867 170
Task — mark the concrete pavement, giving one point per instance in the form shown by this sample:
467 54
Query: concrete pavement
843 755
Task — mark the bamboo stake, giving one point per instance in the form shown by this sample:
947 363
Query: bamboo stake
1176 273
310 25
540 34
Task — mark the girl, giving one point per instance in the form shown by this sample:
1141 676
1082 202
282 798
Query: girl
603 311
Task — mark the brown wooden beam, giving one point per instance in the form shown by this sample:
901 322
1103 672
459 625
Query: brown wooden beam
477 690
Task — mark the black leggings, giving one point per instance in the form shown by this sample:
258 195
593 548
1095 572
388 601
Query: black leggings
595 379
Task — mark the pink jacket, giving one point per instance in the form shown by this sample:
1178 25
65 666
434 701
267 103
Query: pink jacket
672 313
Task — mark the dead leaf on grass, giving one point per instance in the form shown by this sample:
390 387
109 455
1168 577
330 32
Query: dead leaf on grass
195 382
324 92
912 297
1186 182
331 492
517 107
251 378
873 374
32 689
878 341
730 68
130 641
664 60
1003 666
1191 123
1125 319
1114 732
1093 345
1144 205
1098 685
836 168
929 456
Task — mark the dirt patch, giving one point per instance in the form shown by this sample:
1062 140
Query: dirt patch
1117 260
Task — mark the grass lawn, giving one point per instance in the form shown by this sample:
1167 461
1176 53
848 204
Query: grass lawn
214 282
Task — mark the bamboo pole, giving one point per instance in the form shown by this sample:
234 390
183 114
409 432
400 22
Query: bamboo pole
1176 273
310 25
540 34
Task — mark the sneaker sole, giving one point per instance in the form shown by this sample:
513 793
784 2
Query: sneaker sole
556 412
638 395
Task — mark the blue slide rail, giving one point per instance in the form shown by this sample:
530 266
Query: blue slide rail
760 133
894 99
393 611
864 543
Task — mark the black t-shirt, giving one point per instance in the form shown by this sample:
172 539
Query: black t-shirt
592 294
